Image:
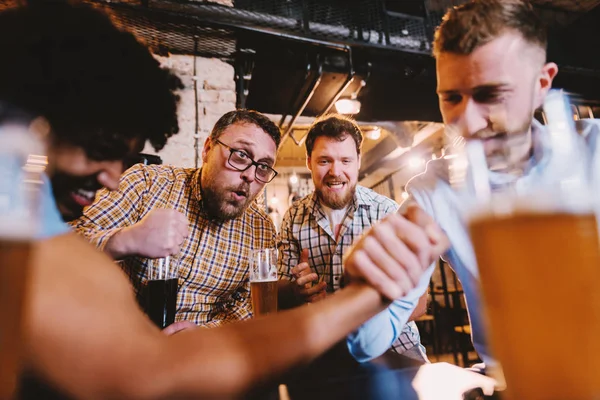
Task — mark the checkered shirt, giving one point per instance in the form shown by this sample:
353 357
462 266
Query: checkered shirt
213 260
305 226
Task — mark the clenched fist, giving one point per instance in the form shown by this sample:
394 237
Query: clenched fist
159 234
305 285
395 252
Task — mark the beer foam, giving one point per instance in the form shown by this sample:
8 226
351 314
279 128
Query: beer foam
538 202
264 280
17 229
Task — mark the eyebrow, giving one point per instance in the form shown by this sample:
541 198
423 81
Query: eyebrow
248 144
486 87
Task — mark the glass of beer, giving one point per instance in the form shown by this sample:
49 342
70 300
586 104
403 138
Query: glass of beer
20 182
263 281
161 292
537 248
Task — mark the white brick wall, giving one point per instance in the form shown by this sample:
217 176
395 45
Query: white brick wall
216 96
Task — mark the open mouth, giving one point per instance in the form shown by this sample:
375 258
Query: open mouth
83 197
335 185
240 195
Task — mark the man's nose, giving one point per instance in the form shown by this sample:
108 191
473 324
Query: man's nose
249 175
335 168
472 119
110 175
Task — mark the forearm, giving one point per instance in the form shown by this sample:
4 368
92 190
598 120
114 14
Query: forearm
376 335
86 335
84 332
255 351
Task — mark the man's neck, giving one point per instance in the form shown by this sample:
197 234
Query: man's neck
518 154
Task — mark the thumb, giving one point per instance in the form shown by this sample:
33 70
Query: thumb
304 256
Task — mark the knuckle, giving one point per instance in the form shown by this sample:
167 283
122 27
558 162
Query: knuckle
425 253
369 241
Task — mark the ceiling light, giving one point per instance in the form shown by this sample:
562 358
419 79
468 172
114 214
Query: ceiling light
404 195
373 134
294 178
347 106
274 200
416 162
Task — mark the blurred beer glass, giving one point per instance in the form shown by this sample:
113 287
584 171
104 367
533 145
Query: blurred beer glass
263 281
20 182
536 242
161 291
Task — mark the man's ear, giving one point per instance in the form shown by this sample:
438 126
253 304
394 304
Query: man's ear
308 163
544 84
207 147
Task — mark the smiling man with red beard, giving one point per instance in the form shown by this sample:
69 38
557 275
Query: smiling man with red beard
206 218
319 229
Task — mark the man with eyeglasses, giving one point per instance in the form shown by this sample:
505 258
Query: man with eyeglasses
206 218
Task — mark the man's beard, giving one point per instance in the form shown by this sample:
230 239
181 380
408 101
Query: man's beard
73 193
336 201
219 204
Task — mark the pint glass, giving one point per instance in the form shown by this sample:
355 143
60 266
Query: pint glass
20 181
263 281
161 291
537 249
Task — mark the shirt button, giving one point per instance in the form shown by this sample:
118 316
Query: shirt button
337 278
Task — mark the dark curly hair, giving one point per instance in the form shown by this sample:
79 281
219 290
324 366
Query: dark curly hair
98 87
335 126
243 116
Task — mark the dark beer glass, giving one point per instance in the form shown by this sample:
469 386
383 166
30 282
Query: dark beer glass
160 292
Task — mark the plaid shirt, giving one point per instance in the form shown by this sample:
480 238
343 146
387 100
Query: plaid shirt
213 260
305 226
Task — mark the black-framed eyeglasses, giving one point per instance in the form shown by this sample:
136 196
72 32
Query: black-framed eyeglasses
241 161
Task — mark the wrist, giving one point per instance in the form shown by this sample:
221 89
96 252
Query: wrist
120 245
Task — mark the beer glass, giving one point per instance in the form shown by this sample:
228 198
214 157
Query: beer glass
161 291
536 243
263 281
20 181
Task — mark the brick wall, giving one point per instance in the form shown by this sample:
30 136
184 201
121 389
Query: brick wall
216 96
